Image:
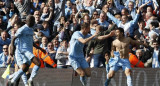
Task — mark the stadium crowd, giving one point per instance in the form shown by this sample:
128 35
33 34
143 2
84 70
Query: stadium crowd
57 20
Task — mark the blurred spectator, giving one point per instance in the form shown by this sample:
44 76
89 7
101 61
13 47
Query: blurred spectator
37 19
59 9
139 32
93 25
102 20
55 43
44 42
153 29
5 59
135 61
95 15
99 46
62 55
47 14
3 25
45 30
68 9
51 52
143 55
87 5
155 60
4 40
24 7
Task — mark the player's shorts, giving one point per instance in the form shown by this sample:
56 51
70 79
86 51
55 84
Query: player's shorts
78 63
122 63
23 57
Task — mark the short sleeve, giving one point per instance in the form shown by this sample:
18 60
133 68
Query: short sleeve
77 35
19 32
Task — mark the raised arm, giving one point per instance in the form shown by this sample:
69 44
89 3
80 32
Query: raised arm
143 5
50 15
115 20
155 7
95 3
118 5
135 20
78 13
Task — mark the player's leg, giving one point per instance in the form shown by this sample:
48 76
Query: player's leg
128 75
24 79
127 68
109 76
111 73
20 72
77 67
87 74
35 69
81 72
85 67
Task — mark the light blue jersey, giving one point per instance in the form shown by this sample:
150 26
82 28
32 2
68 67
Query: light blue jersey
76 55
104 24
25 37
76 47
24 45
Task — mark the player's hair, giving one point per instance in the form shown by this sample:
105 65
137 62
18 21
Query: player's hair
121 30
30 20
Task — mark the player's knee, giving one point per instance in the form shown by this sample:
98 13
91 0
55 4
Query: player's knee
39 63
25 67
110 75
128 72
82 73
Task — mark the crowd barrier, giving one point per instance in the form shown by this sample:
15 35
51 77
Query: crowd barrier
68 77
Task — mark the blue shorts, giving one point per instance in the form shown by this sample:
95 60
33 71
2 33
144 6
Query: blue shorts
78 63
122 63
23 57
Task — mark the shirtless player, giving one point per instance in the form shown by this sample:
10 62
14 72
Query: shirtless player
120 52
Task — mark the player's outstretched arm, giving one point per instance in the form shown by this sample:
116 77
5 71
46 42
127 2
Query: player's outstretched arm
135 42
87 39
12 47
